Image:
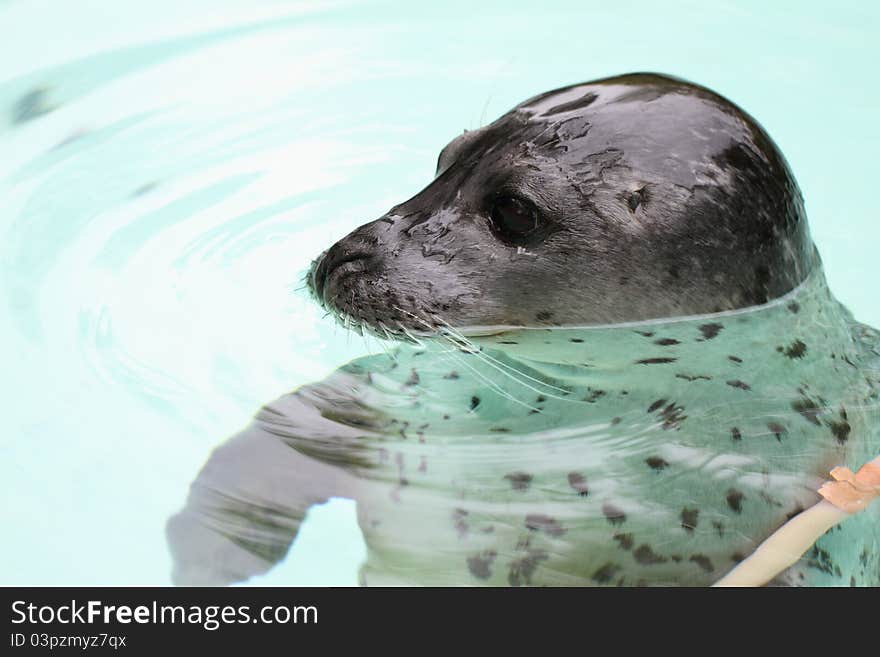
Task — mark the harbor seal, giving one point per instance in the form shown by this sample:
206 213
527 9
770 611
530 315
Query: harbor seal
617 362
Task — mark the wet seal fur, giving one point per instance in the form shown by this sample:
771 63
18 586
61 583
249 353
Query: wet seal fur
656 375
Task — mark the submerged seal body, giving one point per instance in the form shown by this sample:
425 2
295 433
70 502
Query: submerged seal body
625 366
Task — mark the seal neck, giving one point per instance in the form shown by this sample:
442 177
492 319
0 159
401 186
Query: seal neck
621 346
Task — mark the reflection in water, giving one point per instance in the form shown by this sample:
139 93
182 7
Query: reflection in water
655 453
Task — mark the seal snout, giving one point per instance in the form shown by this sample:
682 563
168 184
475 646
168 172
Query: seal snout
333 266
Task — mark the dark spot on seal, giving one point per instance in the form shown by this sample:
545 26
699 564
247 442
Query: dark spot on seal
808 409
413 379
540 399
840 430
735 359
594 395
777 430
625 541
606 573
544 523
635 199
507 342
615 420
793 307
446 417
689 519
672 416
710 330
656 463
519 480
644 554
820 559
703 562
734 500
499 429
575 340
655 361
522 569
796 349
647 334
657 404
736 383
735 433
736 557
688 377
480 564
475 401
579 483
614 515
666 342
719 527
544 316
451 376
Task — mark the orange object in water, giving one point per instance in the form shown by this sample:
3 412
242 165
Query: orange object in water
853 492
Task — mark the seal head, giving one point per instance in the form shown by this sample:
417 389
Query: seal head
629 198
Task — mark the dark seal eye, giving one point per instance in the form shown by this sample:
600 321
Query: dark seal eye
514 220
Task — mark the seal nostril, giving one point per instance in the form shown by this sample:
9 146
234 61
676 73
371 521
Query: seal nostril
330 261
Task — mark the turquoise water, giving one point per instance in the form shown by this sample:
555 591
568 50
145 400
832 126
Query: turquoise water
168 171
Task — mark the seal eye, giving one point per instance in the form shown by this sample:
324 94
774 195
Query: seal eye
514 220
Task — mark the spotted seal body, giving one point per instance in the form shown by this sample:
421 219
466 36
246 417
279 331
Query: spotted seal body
626 367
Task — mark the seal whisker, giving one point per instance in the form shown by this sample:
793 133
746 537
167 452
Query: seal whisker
459 340
461 361
514 371
494 386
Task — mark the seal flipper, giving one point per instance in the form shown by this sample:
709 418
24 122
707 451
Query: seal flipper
246 505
